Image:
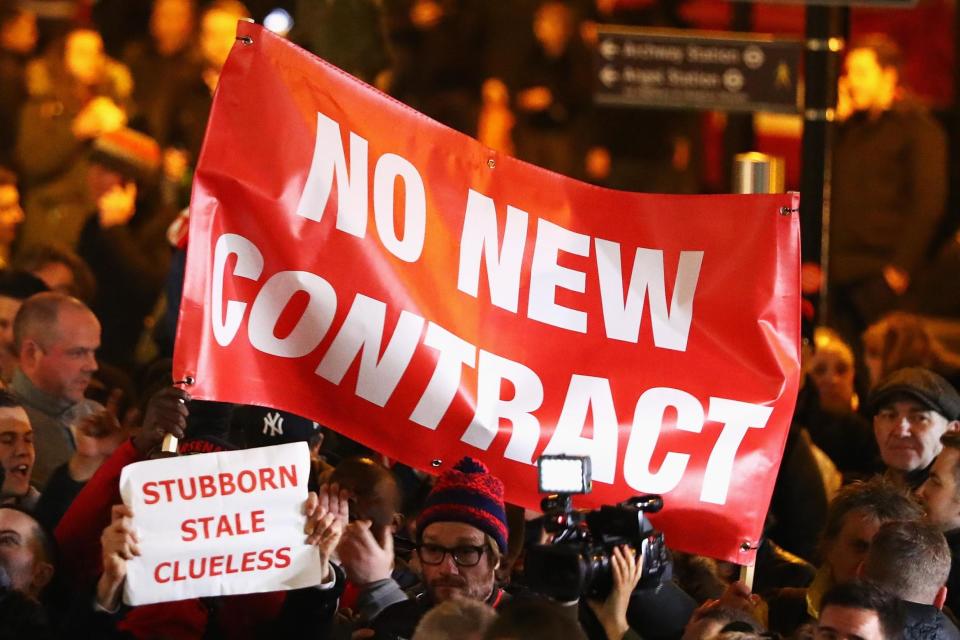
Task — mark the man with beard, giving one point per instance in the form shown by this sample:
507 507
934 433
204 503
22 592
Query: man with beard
462 534
460 540
57 338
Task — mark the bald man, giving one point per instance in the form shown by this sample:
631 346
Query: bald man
56 338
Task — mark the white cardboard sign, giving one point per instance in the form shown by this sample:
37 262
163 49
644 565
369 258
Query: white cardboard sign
218 524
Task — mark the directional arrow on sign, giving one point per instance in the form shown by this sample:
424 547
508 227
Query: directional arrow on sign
609 76
609 49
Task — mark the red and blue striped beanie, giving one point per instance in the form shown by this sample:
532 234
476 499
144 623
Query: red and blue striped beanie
469 494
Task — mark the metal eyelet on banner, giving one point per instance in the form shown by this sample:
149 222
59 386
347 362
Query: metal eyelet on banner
785 211
188 381
746 546
246 40
437 462
491 163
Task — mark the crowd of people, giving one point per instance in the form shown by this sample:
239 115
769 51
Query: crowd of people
100 130
876 484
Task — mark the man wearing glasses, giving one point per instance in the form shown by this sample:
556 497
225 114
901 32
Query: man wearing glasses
912 408
462 534
461 537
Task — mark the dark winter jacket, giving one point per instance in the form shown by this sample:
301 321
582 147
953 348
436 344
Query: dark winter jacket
953 581
926 622
889 191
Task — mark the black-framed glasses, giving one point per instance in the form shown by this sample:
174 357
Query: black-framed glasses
463 555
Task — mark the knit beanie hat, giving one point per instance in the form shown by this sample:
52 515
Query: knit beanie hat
468 494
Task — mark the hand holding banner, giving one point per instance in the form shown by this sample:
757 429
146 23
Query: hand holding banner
220 524
354 262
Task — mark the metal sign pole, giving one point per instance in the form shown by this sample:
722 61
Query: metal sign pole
822 65
756 173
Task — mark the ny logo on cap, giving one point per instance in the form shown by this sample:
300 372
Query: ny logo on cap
273 424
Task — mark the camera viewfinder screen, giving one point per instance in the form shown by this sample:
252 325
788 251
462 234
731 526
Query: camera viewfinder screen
562 475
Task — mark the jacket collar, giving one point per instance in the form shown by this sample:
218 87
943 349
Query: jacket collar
37 398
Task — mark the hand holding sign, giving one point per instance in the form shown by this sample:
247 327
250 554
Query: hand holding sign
327 516
119 543
166 413
223 524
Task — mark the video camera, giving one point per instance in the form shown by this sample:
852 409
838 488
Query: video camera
577 560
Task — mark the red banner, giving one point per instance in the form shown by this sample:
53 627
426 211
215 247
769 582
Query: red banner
355 262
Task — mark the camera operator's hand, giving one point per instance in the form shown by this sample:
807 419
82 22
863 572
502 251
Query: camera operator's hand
119 543
166 413
366 557
327 515
626 567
